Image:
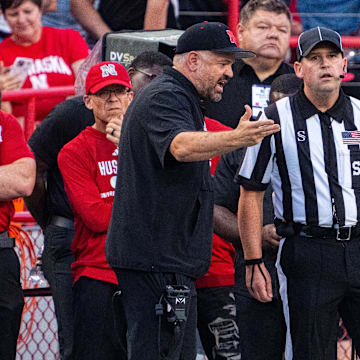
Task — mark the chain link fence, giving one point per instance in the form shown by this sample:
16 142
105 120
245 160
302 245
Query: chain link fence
38 332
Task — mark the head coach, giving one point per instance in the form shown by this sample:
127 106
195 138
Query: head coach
159 239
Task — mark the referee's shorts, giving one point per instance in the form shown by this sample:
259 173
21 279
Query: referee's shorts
319 279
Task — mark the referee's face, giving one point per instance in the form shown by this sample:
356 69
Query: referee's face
321 69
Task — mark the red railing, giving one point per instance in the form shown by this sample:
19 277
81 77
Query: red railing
29 96
233 14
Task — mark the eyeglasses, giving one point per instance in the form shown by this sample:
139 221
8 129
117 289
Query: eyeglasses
106 94
151 76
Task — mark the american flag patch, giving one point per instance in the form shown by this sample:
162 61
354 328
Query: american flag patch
351 137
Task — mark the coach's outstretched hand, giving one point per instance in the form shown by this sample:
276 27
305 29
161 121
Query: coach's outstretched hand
252 132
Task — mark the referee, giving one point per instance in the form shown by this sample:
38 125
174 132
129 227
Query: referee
313 164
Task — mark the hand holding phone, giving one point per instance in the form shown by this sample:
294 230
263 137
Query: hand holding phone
21 67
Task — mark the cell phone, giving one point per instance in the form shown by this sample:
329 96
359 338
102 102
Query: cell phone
21 67
258 115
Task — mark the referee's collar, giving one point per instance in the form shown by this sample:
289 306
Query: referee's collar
309 109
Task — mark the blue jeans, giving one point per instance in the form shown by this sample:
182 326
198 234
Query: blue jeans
217 325
11 303
57 259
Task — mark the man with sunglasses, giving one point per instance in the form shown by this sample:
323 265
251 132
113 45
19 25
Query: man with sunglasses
88 165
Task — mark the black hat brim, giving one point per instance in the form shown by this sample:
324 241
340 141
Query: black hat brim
239 53
307 52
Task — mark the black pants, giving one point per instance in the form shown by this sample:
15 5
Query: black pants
95 337
319 279
216 323
11 303
262 326
140 292
57 259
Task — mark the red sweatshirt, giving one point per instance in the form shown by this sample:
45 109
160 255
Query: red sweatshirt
88 165
221 271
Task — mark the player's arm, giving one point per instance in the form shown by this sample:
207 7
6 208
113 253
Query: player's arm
225 224
203 145
36 202
250 220
17 179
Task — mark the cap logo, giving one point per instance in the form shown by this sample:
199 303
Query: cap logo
107 70
231 36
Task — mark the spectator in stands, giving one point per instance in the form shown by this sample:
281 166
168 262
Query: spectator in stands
115 15
88 165
49 204
264 28
204 8
17 169
341 16
42 56
61 17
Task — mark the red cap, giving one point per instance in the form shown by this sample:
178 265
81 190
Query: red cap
104 74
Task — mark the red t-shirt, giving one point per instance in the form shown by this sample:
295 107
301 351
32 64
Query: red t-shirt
12 147
51 59
221 271
88 165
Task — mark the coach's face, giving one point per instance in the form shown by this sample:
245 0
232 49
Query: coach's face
266 33
213 72
322 68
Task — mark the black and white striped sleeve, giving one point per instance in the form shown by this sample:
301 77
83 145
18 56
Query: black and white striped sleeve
255 171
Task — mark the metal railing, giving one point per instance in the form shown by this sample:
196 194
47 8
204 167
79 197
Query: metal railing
29 96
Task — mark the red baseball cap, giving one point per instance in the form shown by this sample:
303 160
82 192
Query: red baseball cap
104 74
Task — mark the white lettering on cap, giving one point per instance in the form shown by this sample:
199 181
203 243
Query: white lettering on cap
107 70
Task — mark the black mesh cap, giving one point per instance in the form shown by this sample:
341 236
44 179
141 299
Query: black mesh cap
310 38
211 36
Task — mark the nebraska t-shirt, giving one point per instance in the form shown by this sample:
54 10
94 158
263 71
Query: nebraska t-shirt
50 64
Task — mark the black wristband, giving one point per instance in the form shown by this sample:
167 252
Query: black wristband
254 261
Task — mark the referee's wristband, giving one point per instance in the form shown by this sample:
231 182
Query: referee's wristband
254 261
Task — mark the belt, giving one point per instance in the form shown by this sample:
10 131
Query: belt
5 241
340 234
62 222
344 233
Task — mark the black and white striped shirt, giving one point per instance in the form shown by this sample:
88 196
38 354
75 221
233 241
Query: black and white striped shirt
309 162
